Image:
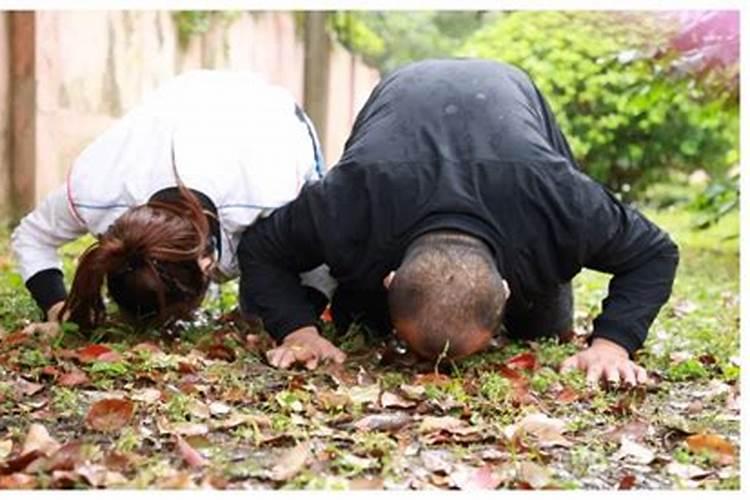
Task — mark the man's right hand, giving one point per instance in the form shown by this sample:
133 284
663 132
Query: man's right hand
304 346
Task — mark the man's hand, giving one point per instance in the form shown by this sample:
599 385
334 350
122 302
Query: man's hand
304 346
606 360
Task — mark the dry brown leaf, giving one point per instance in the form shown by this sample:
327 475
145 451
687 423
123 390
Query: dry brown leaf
331 400
110 415
626 482
712 443
191 456
25 388
39 439
364 394
99 476
291 462
413 392
73 378
177 481
447 423
686 471
634 430
391 400
362 483
476 478
68 457
97 352
548 431
389 422
535 476
634 451
199 409
147 395
188 429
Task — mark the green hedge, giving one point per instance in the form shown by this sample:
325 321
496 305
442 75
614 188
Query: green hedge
628 118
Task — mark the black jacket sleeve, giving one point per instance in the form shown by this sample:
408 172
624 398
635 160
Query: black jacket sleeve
272 253
642 258
47 288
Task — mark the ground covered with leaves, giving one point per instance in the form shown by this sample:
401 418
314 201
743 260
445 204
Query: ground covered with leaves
198 407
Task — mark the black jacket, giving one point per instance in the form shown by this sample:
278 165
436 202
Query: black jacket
469 145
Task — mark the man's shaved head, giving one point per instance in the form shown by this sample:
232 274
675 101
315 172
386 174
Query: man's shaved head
447 296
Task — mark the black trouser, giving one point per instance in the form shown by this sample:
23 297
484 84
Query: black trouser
549 314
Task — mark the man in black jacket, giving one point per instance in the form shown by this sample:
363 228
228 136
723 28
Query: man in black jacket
457 178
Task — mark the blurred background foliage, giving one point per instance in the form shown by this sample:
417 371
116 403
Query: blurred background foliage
648 100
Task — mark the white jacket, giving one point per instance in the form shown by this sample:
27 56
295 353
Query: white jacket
236 138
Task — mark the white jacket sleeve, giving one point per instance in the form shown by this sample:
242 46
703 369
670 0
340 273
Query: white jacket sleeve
39 235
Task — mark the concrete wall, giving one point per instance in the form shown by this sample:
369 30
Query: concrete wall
93 66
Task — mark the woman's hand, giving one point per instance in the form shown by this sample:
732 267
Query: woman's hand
304 346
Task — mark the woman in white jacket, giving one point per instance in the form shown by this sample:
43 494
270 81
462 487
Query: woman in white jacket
168 191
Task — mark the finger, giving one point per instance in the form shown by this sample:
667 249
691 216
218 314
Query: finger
272 356
594 374
287 359
339 356
612 374
628 374
312 363
641 374
570 364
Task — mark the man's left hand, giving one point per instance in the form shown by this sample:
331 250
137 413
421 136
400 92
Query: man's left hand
606 360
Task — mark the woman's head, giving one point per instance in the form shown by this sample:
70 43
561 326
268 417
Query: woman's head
149 259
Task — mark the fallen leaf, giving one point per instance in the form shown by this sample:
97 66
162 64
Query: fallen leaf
291 462
476 478
389 422
430 424
523 361
364 394
722 449
686 471
437 379
6 446
567 395
221 352
391 400
191 456
20 462
548 431
217 408
684 307
99 476
64 479
630 449
110 415
73 378
38 439
68 457
626 482
177 481
25 388
361 483
333 400
189 429
96 352
146 347
14 339
17 481
237 419
413 392
199 410
147 395
441 461
635 430
535 476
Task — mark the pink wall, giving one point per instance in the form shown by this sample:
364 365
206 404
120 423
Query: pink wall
93 66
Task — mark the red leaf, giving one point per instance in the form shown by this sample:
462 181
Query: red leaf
510 373
92 353
326 315
190 454
20 462
16 338
50 371
109 415
73 378
17 481
523 361
627 482
567 395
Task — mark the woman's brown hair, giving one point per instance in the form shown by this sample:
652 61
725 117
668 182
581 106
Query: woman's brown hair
149 259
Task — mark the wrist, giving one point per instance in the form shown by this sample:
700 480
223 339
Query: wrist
305 333
606 344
